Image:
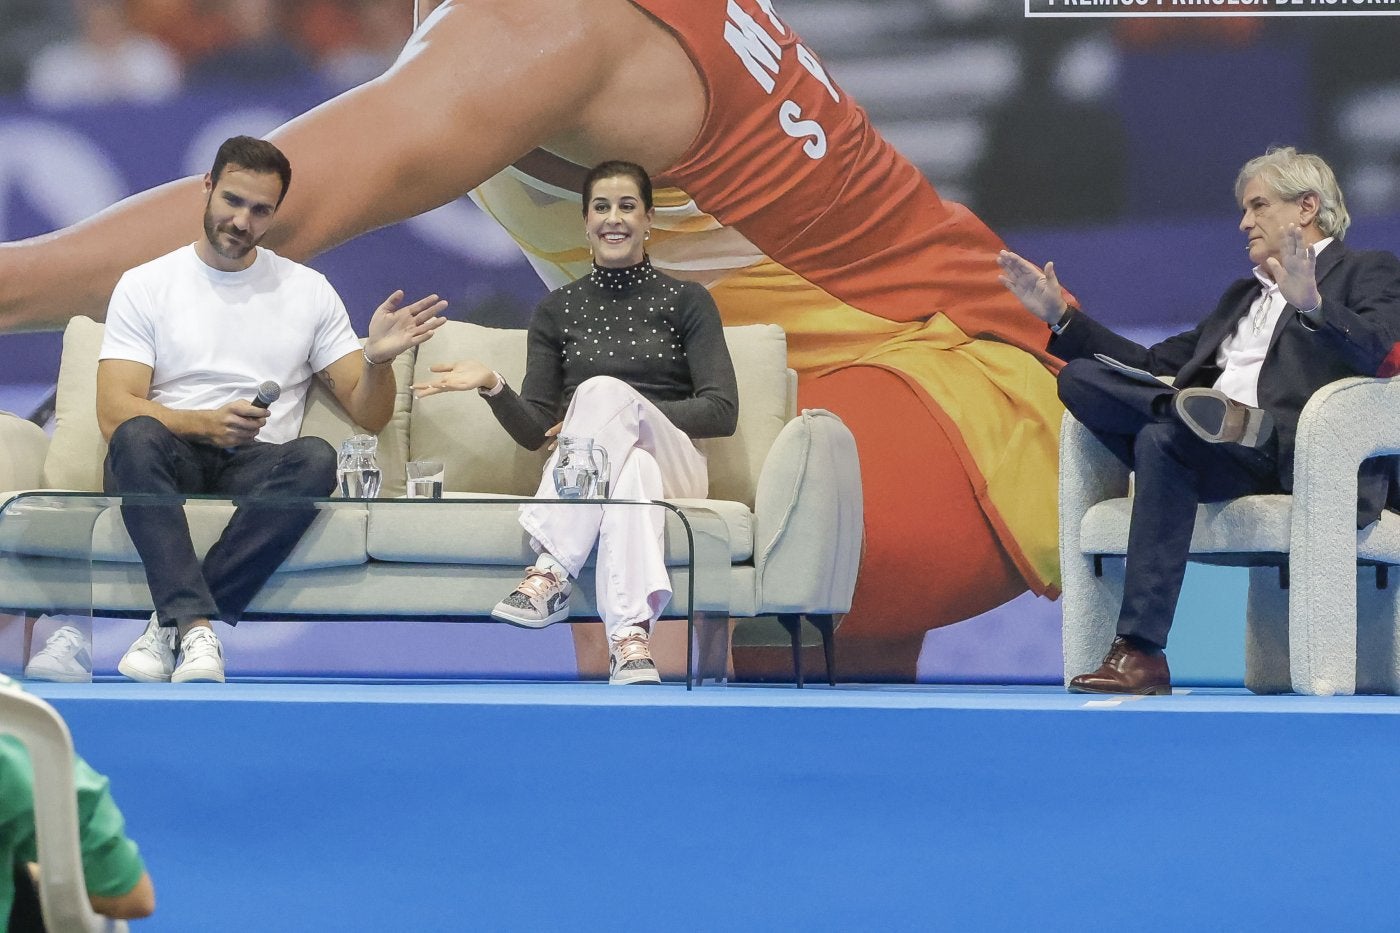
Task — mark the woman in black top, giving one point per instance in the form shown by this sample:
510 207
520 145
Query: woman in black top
635 360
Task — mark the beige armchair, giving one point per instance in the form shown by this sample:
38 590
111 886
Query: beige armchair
1322 614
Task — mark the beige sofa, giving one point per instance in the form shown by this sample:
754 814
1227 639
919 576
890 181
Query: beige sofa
785 517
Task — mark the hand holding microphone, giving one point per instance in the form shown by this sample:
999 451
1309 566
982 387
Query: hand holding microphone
239 422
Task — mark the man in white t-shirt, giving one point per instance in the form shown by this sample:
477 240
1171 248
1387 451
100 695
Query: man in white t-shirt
190 337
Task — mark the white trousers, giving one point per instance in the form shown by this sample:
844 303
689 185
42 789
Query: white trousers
650 458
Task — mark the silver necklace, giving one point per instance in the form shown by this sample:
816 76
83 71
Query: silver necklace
1261 316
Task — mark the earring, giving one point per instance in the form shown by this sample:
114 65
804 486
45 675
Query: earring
647 235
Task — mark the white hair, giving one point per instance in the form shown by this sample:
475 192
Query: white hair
1292 174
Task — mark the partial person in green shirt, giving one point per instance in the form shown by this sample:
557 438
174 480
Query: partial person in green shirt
117 882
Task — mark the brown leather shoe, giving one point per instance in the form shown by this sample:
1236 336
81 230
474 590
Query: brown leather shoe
1127 669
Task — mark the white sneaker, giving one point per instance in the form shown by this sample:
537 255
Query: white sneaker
201 657
151 658
66 658
541 599
630 660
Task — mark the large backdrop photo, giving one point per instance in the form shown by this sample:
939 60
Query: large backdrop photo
848 170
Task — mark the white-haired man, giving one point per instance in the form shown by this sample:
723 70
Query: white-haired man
1311 313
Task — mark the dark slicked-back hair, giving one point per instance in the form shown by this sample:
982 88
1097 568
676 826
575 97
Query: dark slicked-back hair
616 168
254 155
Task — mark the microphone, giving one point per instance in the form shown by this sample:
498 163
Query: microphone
268 393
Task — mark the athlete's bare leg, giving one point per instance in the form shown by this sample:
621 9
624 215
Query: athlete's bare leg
482 84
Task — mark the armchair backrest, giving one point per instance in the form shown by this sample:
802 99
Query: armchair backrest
460 430
75 456
74 459
457 428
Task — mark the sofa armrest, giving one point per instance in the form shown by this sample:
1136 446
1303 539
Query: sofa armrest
809 517
23 446
1343 424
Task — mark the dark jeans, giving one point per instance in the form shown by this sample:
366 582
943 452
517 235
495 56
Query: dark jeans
145 457
1175 472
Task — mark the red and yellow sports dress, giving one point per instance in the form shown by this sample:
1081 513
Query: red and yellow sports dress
791 208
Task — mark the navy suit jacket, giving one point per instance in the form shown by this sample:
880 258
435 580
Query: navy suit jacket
1358 335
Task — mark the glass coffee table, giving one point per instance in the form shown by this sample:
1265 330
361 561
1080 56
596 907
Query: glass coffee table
65 557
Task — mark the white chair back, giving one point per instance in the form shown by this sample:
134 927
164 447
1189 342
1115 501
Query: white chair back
62 887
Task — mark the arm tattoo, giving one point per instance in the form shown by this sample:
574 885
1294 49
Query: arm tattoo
325 376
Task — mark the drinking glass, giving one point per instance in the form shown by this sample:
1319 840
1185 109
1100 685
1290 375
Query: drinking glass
425 479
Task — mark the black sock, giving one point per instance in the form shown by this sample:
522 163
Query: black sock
1142 644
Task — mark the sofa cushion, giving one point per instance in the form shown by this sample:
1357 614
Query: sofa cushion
324 418
61 526
759 352
75 456
490 534
738 524
77 450
1256 528
48 526
335 539
459 429
1247 524
23 446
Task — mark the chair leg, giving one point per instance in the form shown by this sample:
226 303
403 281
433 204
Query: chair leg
793 623
826 624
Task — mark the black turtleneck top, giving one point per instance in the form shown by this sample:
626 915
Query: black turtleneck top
661 336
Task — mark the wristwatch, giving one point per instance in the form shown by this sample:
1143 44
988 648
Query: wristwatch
495 389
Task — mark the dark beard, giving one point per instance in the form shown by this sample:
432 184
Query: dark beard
211 233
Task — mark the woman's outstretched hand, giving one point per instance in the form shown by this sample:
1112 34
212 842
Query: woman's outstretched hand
457 377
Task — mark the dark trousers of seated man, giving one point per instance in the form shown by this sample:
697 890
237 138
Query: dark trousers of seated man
145 457
1174 472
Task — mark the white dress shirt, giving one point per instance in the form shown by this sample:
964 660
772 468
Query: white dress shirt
1241 355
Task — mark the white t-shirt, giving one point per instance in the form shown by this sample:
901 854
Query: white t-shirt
211 337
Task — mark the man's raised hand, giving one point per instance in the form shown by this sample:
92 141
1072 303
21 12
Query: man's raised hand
394 329
1038 290
1296 271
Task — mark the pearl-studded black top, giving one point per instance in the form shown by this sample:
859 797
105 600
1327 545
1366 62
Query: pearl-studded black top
661 336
